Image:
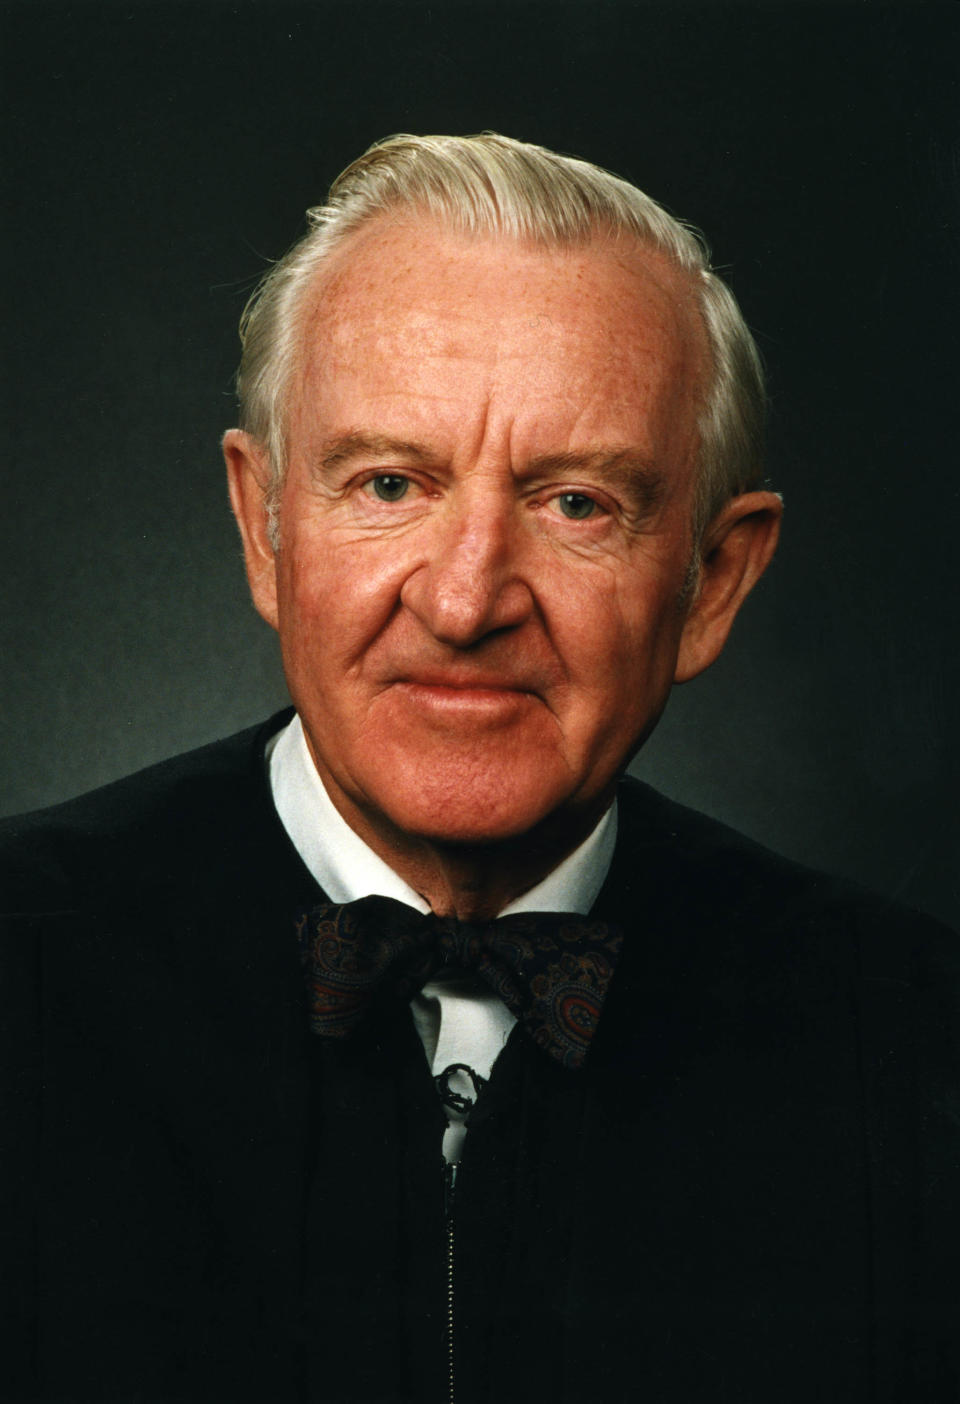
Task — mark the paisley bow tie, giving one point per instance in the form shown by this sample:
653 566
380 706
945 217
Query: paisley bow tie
551 969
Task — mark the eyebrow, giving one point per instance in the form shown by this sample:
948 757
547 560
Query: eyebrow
346 447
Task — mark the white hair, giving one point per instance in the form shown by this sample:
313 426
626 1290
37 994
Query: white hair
491 184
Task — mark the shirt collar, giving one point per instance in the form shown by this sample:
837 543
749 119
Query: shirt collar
347 868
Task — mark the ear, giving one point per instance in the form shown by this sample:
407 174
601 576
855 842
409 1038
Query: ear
248 476
737 548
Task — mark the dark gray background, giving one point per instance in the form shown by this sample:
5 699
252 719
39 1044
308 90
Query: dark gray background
158 154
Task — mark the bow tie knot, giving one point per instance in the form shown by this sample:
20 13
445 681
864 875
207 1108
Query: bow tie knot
551 969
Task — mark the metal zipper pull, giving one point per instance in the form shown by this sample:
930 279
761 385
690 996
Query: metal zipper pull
450 1169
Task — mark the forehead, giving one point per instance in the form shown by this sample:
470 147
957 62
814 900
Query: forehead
408 318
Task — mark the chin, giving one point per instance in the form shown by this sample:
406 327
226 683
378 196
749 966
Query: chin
471 803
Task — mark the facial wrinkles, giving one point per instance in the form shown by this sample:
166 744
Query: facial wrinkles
495 535
486 515
452 353
496 361
452 362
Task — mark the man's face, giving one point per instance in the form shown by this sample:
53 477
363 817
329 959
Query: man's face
485 526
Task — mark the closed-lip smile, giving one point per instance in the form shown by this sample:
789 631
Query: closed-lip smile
464 683
461 689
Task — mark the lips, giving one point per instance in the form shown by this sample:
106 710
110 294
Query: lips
466 682
481 698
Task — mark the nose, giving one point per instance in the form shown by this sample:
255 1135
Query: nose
470 585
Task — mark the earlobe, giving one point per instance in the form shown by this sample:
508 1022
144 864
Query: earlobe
737 548
248 477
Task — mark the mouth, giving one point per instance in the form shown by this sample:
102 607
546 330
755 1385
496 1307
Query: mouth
466 680
460 693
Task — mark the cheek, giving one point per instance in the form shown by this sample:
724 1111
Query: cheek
306 589
621 650
617 628
335 597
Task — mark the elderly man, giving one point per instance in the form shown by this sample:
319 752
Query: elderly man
401 1049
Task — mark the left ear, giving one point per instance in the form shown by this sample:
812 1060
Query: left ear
737 547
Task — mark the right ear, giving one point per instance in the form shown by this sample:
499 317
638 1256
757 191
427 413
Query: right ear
248 477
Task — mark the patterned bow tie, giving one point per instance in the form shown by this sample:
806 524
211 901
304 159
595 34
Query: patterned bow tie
551 969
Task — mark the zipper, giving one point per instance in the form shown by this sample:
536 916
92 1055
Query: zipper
449 1192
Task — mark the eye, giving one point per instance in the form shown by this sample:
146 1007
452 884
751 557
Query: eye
576 505
389 487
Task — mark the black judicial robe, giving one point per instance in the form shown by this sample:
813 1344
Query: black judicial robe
749 1193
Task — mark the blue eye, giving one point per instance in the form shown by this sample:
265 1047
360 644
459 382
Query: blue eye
576 505
390 487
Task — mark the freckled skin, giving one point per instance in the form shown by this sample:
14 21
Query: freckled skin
476 636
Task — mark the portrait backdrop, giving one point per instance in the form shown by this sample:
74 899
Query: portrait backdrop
159 155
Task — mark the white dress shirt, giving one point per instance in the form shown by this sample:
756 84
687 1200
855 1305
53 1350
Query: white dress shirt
457 1015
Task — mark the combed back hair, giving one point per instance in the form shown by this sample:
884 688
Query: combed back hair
491 184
